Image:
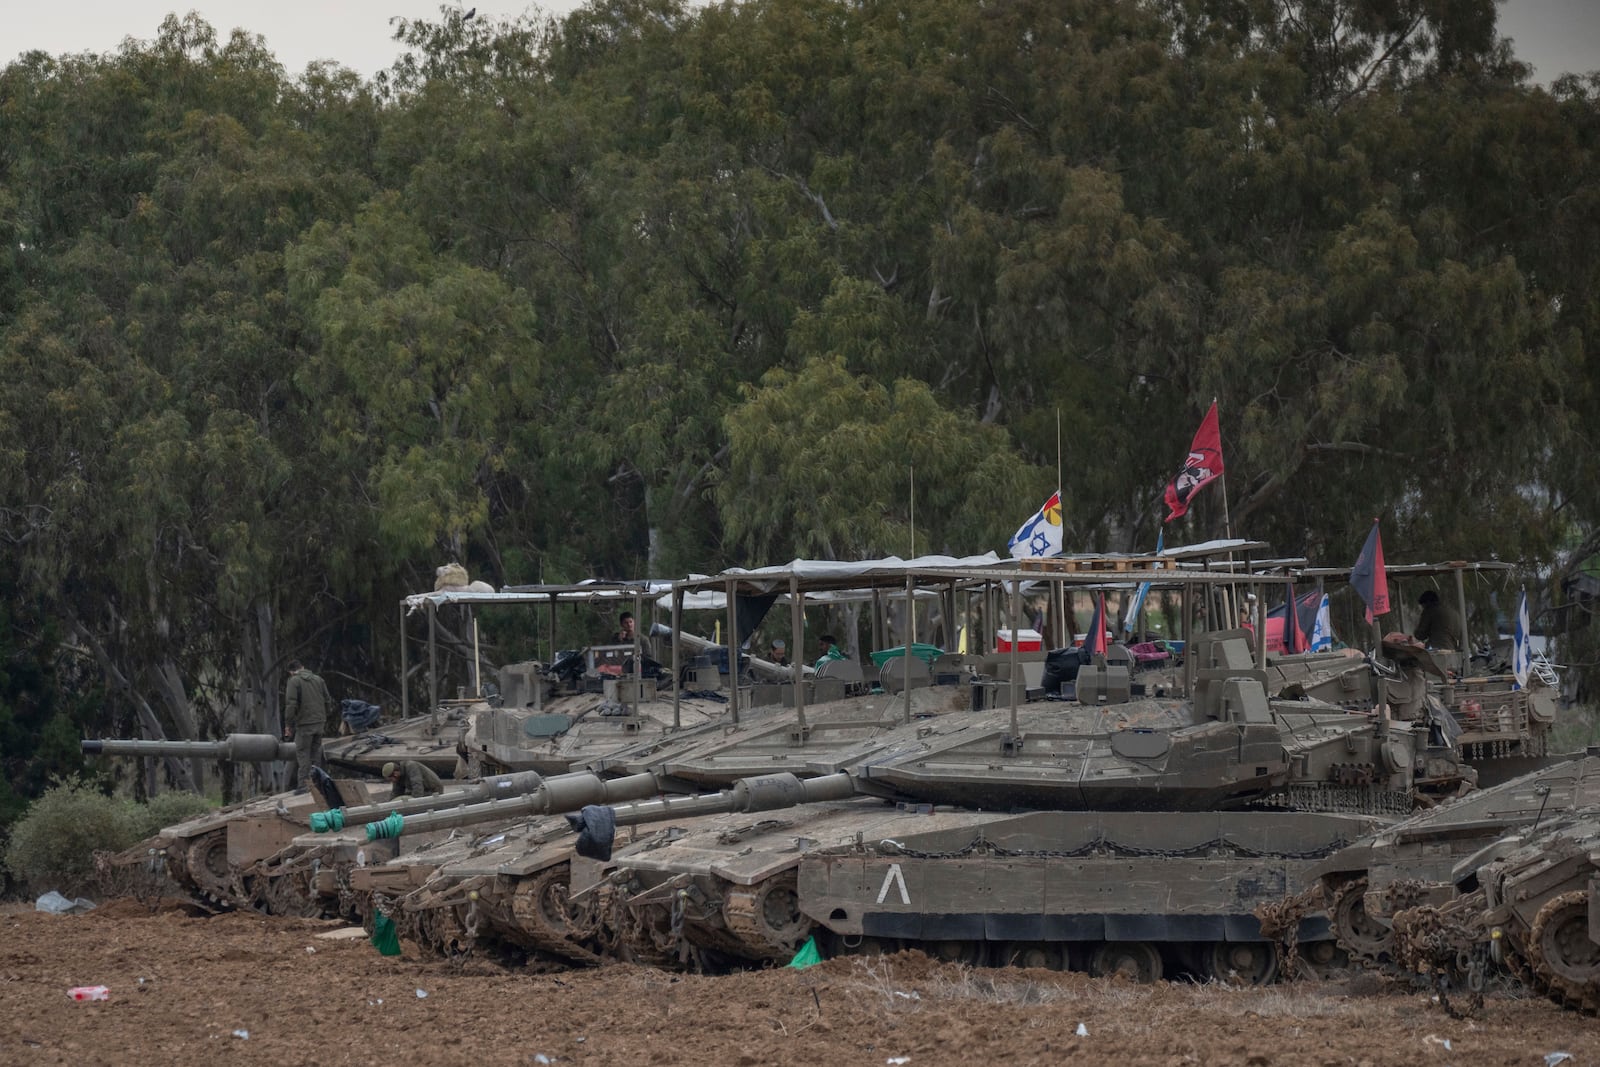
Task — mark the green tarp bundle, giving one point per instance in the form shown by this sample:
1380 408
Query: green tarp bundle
807 955
385 938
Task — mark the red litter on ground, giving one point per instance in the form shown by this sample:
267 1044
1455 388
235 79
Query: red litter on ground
89 992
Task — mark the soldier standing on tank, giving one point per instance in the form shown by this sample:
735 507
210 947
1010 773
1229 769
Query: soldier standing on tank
1439 626
306 704
412 779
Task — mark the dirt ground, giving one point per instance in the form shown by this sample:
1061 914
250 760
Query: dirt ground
244 989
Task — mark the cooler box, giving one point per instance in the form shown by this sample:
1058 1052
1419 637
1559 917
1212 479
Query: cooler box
1027 641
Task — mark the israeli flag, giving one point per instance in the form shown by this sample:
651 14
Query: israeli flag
1041 535
1522 645
1321 638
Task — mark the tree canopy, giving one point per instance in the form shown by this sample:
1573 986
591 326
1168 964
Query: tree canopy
661 287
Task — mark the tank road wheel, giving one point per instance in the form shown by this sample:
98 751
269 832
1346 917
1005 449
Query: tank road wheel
1323 959
1242 962
865 946
1359 934
1131 959
1562 955
766 917
287 894
967 953
1042 955
206 861
545 915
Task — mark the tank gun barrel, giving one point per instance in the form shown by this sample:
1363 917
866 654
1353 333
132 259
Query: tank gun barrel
765 668
557 794
766 792
236 748
498 787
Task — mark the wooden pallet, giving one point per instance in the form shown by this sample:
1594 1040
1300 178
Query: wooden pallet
1093 564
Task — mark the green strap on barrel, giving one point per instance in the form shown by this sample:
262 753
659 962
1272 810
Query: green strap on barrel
387 827
327 822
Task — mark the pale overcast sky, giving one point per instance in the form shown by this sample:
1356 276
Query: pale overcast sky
1554 35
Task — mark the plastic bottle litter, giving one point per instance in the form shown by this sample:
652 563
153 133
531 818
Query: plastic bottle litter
1553 1058
242 1035
421 993
89 992
1083 1031
896 1061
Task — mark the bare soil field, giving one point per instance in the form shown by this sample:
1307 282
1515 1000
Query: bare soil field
245 988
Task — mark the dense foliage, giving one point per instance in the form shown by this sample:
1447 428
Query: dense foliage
660 287
53 845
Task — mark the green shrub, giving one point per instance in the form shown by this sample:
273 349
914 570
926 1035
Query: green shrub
166 809
53 845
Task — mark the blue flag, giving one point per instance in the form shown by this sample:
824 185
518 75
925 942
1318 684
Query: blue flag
1143 590
1522 645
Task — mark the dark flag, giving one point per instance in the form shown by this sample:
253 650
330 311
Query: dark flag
1294 638
1203 467
1296 635
1095 640
1369 577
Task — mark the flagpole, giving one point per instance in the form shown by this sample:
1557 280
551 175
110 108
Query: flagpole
912 468
1058 602
1227 529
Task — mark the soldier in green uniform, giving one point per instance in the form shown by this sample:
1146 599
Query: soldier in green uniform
306 704
412 779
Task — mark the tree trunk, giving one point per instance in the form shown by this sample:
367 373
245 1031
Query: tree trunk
174 697
149 723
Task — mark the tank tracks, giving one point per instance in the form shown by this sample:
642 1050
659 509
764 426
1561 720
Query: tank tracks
1366 940
1564 962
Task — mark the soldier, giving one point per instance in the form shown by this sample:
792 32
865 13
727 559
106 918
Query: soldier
412 779
1439 626
830 650
628 631
305 716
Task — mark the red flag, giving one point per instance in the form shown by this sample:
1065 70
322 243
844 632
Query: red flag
1369 577
1095 639
1203 466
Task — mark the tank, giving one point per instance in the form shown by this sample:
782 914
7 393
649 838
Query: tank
507 879
298 873
1106 892
204 856
541 722
546 716
1240 792
1527 903
1412 863
1505 729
